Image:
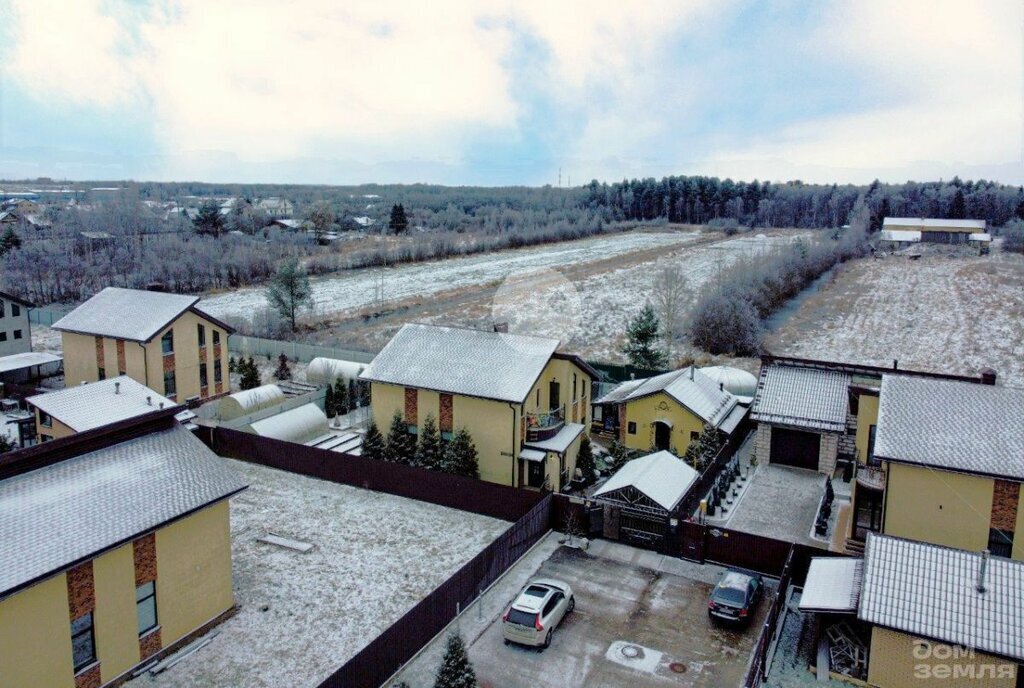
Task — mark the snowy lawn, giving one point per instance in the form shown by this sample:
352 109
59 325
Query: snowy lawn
375 556
46 339
938 313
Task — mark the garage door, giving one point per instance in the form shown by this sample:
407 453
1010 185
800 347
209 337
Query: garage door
795 448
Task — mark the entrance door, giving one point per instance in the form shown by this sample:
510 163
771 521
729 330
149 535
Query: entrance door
554 393
869 512
662 435
795 448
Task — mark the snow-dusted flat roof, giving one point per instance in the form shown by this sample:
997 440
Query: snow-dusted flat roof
833 585
134 314
560 442
961 426
490 365
26 360
663 477
97 404
689 386
931 223
931 591
802 397
54 516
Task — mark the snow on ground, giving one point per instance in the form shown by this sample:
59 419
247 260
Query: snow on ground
46 339
938 313
353 290
375 556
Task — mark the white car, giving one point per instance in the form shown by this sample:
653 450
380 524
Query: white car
533 616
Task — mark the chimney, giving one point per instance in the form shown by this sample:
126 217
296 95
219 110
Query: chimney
501 327
691 373
895 364
117 388
982 572
988 376
149 400
721 386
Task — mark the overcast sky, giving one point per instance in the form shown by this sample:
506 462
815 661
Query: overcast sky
481 92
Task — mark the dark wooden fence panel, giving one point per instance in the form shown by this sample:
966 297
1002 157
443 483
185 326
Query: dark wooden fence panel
457 492
746 550
759 657
567 514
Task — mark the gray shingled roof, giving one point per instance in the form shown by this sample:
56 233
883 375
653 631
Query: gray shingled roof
132 314
802 397
690 387
930 591
96 404
491 365
55 516
961 426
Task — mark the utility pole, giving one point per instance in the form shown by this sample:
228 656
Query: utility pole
559 177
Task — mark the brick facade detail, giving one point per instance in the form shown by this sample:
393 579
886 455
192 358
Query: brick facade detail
446 414
1005 502
763 443
828 452
410 406
144 553
122 366
218 388
90 678
100 360
150 644
622 423
81 591
168 362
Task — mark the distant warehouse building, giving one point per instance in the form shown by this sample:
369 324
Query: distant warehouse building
935 231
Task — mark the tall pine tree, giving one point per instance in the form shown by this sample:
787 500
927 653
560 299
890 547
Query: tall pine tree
455 670
341 398
250 374
400 446
460 456
373 443
641 347
429 453
398 222
330 407
585 460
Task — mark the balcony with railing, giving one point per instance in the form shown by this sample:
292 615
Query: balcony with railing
543 425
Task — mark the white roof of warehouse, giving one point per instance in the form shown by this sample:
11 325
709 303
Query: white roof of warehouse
930 591
26 360
802 397
134 314
959 426
490 365
900 235
833 585
662 476
96 404
55 516
931 223
693 389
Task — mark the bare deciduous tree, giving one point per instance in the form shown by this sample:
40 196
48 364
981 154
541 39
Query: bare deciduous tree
670 293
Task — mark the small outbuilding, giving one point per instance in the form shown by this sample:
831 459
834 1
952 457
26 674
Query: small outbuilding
936 230
249 401
300 425
324 371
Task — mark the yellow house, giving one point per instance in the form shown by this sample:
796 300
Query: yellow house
90 406
113 552
924 615
524 404
667 412
163 341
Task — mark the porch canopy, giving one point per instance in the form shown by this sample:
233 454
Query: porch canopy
833 585
656 482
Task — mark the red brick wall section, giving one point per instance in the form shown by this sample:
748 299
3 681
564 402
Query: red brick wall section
81 593
144 551
99 352
446 414
410 406
150 644
168 362
122 367
1005 502
218 388
89 678
622 423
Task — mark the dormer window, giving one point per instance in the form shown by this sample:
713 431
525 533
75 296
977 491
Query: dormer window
167 342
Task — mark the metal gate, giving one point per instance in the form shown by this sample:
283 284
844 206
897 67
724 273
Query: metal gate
611 522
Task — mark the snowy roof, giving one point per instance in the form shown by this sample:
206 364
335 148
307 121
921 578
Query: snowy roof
133 314
689 386
26 360
11 297
980 236
560 442
662 476
300 424
833 585
931 223
931 591
730 422
55 516
490 365
960 426
900 235
249 400
802 397
97 404
532 454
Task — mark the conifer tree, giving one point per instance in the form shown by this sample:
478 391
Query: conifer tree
620 455
585 460
429 453
373 443
342 402
330 407
642 337
455 670
460 456
283 372
232 365
9 242
352 395
398 222
250 374
400 446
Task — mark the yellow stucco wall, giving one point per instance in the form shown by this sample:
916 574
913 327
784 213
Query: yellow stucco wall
660 407
117 637
940 507
867 415
193 560
56 429
898 660
35 637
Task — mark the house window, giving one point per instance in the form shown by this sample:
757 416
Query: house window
202 336
575 390
167 342
413 430
631 427
216 337
45 420
535 473
102 373
170 388
203 381
872 461
1000 542
447 436
2 313
694 436
218 374
17 334
83 642
15 310
3 336
538 397
145 607
45 438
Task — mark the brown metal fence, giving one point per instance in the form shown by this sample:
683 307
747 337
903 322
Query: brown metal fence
758 668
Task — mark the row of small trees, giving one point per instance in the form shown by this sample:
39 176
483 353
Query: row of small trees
343 397
698 455
426 449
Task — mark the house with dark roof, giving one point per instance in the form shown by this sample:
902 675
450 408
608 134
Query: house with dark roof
524 403
15 329
163 341
668 411
913 613
114 551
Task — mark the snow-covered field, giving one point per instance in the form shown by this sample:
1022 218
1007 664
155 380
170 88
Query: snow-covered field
938 313
358 289
301 616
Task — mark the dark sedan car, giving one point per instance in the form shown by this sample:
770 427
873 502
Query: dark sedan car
735 596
